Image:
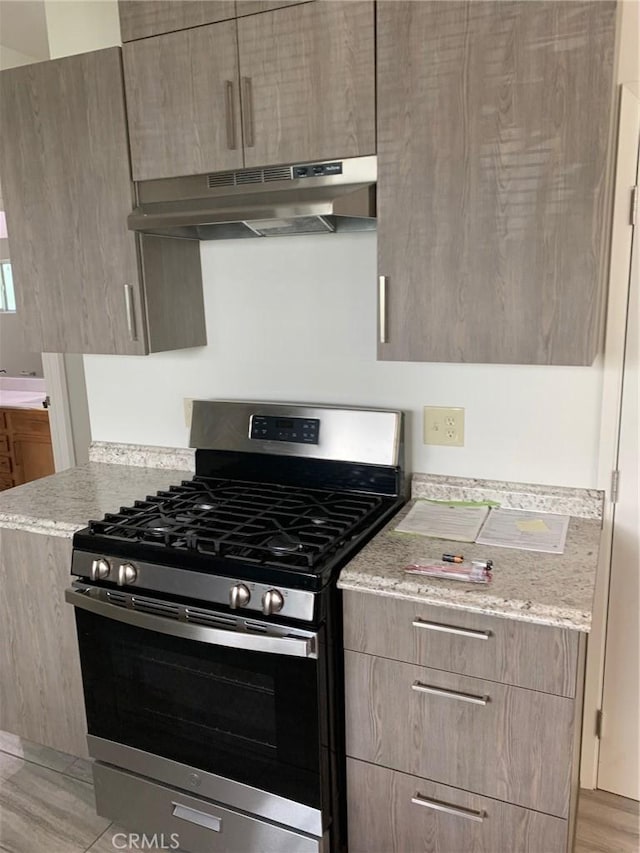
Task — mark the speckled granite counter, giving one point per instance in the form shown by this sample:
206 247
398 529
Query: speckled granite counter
63 503
549 589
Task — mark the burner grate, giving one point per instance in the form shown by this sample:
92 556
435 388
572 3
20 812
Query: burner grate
257 523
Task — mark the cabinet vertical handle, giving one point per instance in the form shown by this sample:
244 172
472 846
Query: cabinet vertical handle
131 314
458 811
382 307
247 112
231 121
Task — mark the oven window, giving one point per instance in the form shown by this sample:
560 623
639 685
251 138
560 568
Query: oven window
248 716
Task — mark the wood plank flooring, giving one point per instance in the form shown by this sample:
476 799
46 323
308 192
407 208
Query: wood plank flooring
607 824
47 806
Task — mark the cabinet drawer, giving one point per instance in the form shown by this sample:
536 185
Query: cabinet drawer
27 422
391 812
504 742
4 444
506 650
5 465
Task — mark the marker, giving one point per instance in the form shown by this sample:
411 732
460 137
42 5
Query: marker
484 564
453 558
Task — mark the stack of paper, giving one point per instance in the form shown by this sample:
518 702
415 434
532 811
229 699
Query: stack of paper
444 521
530 531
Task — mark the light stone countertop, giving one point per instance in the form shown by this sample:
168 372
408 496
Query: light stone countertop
21 399
548 589
63 503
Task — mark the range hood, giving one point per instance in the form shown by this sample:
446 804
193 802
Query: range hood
303 198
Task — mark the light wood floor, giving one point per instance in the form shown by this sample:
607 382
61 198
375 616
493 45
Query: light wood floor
607 824
46 806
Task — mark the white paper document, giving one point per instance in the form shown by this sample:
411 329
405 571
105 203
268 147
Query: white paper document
444 521
529 531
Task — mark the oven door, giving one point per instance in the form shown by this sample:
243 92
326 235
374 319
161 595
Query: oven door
206 696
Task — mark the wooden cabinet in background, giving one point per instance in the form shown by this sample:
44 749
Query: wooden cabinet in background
143 18
25 446
41 698
302 89
79 272
444 753
493 183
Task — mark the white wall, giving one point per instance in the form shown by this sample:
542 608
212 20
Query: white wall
79 26
294 319
10 58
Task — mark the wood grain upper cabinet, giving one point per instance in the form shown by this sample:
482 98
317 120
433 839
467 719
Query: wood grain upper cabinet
302 76
143 18
183 102
252 7
308 82
493 132
78 270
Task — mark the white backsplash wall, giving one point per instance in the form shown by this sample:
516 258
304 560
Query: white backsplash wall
294 319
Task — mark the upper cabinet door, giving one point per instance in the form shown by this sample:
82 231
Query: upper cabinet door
183 102
493 130
308 82
142 18
67 192
252 7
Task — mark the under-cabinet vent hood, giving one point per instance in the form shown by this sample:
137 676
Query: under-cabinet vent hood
305 198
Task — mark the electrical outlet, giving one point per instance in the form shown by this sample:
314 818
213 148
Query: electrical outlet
444 426
188 411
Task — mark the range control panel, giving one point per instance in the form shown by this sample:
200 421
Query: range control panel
274 428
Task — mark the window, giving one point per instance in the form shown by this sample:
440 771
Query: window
7 294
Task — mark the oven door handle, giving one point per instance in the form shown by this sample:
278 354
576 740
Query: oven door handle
290 646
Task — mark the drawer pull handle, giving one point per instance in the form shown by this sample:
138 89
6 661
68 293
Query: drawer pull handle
449 694
209 821
451 629
458 811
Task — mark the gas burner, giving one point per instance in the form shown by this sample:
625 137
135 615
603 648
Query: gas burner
319 517
159 525
284 543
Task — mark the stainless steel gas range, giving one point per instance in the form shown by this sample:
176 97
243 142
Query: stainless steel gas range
209 627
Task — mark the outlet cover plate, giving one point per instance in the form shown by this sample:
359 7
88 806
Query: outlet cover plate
444 426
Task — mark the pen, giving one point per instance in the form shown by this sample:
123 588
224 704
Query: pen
453 558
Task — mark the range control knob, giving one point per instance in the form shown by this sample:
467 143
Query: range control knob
126 574
239 596
100 569
272 602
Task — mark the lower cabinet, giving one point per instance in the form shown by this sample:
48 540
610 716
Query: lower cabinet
474 734
41 696
26 452
442 758
391 812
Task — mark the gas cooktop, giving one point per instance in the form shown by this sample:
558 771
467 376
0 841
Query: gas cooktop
282 498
